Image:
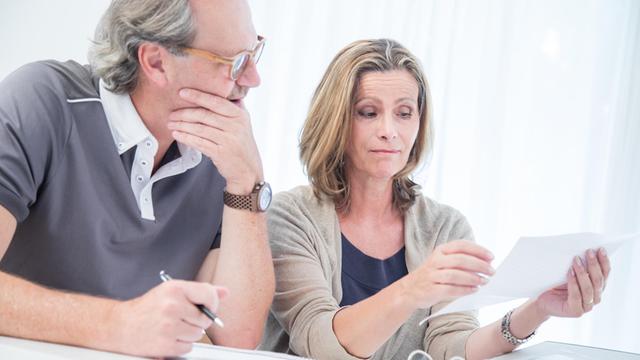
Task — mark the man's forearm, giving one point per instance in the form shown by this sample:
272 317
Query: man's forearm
35 312
245 267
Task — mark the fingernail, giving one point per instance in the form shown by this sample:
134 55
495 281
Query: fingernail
573 273
578 261
591 254
490 255
184 93
603 251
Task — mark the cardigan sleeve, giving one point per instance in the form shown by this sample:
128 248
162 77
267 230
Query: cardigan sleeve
303 303
446 336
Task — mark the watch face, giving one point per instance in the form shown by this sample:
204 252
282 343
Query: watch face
264 198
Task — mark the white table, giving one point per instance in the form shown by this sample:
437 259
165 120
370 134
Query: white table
550 350
13 348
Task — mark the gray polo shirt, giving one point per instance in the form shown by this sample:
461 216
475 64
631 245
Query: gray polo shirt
79 222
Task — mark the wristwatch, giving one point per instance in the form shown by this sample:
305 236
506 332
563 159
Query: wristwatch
258 201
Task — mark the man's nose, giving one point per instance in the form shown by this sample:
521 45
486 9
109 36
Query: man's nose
249 77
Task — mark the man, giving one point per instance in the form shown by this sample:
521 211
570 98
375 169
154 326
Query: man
144 161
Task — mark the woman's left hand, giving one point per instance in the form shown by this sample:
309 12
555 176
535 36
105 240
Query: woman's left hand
583 290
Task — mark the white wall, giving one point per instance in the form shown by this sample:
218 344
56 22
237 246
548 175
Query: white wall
39 29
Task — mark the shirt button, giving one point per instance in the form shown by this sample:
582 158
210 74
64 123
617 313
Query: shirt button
120 145
148 143
139 178
143 162
146 199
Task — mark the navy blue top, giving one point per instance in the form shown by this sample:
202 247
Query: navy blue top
364 276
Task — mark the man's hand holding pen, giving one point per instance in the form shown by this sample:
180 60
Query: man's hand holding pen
164 321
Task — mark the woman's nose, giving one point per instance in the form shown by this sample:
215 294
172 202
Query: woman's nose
386 127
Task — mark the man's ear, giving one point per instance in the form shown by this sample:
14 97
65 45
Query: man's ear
153 60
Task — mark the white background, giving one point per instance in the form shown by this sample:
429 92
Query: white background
537 112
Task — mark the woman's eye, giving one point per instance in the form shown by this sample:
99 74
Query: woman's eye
367 113
405 115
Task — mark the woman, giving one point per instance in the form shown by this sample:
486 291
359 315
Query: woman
361 256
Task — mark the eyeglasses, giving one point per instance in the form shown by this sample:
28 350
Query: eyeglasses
238 63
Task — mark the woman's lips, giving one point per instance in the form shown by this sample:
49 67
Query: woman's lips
385 151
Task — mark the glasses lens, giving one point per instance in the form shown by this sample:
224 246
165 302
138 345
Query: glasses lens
258 52
238 66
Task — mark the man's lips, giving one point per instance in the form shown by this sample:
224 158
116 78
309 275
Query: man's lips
238 102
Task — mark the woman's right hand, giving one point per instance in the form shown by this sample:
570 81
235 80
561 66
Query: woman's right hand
452 270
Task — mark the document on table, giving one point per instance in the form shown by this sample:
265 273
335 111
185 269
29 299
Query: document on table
212 352
14 348
534 265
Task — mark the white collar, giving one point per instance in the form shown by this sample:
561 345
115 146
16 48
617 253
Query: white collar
128 129
125 124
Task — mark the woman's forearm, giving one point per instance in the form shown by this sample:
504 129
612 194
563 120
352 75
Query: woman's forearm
487 341
365 326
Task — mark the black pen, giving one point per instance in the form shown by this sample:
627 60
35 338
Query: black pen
210 314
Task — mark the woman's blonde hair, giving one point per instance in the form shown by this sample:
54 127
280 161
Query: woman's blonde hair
327 127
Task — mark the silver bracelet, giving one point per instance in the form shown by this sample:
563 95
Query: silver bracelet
506 332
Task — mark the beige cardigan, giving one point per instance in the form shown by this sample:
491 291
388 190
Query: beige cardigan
306 244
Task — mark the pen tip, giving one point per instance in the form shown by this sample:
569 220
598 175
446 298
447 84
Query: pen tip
219 322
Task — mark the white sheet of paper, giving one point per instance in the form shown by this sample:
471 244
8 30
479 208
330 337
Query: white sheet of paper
534 265
213 352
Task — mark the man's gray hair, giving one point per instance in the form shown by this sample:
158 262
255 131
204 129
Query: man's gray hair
128 23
